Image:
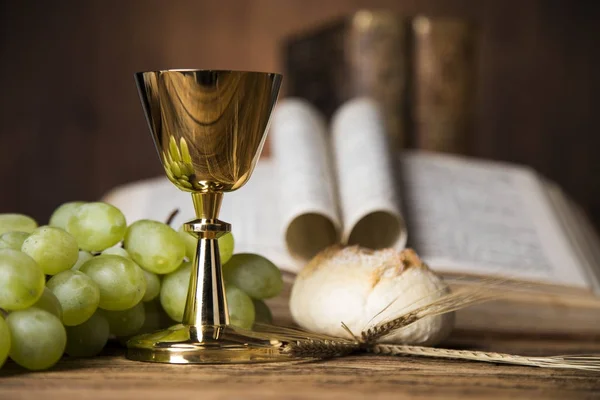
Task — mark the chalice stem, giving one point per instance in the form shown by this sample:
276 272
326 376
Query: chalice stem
206 303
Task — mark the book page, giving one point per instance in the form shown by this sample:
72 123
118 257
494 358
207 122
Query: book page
590 242
306 195
254 212
486 218
154 199
366 177
579 231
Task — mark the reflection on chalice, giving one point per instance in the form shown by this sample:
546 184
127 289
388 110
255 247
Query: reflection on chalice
209 128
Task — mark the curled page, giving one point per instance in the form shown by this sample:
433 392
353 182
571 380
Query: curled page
307 194
366 176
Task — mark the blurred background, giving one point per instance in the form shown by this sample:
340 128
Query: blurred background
72 127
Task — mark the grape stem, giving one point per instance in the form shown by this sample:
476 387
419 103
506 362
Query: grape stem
172 216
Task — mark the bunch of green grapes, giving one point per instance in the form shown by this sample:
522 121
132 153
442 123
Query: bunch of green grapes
69 286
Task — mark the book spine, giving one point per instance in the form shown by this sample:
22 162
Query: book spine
365 55
443 84
377 47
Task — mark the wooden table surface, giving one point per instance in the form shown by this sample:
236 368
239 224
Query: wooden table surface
111 376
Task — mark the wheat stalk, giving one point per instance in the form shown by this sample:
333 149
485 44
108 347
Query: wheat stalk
582 362
312 345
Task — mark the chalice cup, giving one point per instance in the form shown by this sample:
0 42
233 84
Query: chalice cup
209 128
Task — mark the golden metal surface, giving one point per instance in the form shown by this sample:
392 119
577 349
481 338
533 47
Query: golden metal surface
209 128
206 344
206 303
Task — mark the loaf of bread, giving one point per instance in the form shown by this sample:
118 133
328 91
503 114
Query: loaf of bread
361 287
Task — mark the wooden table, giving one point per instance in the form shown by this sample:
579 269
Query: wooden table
111 376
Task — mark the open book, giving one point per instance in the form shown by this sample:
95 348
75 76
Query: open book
341 184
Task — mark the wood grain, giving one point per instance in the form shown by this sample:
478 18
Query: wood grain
354 377
72 127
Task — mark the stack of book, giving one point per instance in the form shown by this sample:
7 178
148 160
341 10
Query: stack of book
422 71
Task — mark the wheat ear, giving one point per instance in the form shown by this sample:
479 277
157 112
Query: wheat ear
301 343
321 348
451 302
580 362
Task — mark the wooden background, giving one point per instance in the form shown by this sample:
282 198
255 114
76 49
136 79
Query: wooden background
71 126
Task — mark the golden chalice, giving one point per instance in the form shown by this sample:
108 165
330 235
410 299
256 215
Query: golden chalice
209 128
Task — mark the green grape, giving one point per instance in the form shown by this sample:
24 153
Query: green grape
240 306
116 251
156 318
63 213
173 292
49 302
52 248
173 295
13 240
22 280
254 274
190 243
87 339
154 246
16 222
226 245
97 226
262 312
127 322
78 295
4 340
82 257
152 286
121 281
38 338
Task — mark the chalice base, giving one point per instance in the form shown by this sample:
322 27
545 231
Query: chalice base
207 344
